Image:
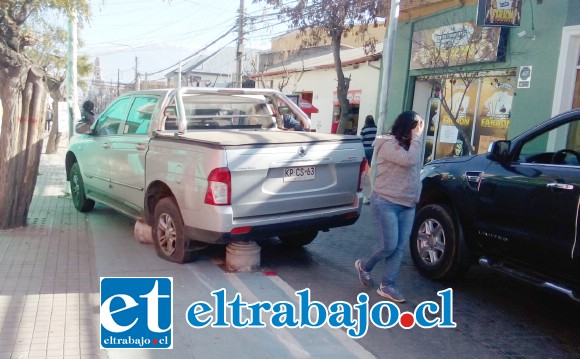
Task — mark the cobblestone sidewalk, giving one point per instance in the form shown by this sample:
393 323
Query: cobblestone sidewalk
48 288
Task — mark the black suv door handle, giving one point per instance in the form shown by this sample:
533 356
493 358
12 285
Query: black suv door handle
473 176
560 186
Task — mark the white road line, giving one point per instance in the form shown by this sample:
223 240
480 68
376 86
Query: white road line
283 335
348 343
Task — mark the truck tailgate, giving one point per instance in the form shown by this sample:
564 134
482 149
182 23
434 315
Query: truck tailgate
283 178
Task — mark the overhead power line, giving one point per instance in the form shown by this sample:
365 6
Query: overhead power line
257 20
197 52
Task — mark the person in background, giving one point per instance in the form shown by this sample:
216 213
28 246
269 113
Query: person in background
396 191
48 122
368 134
88 114
290 121
87 117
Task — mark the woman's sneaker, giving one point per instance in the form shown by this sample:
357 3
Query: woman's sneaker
391 293
364 277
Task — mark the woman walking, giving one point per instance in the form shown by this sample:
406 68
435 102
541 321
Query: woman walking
396 191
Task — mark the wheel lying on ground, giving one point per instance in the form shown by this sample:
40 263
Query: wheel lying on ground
297 240
435 244
169 232
77 190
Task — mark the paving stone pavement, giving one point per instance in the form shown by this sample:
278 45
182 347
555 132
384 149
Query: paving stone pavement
49 301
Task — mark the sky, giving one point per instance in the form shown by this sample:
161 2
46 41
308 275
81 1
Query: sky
161 32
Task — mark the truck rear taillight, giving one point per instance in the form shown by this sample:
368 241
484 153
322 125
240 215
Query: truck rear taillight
363 167
241 230
219 187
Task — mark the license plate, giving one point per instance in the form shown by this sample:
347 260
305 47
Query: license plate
305 173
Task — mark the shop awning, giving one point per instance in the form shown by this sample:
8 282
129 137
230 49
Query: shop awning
307 107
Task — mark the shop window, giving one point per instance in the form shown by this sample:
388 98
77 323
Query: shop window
483 113
351 125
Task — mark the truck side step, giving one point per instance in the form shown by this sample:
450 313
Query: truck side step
535 280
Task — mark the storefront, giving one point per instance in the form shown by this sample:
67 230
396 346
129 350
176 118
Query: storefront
475 84
353 97
483 114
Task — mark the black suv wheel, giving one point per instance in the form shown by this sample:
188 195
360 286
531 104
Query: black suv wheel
435 243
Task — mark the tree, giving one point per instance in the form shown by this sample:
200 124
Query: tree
285 77
455 52
50 54
23 95
319 20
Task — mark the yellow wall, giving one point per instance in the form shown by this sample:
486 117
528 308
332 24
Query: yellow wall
289 42
410 9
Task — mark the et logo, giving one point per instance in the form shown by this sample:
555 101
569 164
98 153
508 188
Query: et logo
136 313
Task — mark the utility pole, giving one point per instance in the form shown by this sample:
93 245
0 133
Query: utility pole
71 75
137 82
118 82
240 50
179 75
388 52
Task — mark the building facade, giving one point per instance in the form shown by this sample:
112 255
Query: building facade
476 84
314 80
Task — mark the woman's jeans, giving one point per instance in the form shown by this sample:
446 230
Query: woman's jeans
393 223
369 154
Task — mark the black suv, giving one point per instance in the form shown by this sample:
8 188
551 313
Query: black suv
514 209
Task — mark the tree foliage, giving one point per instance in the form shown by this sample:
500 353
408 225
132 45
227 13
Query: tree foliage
23 94
319 20
50 54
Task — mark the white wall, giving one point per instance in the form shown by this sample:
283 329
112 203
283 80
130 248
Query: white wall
566 75
322 84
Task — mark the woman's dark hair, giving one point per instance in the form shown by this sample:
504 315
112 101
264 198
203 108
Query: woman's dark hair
370 120
88 105
402 128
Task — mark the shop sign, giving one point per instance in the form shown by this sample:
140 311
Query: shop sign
499 13
456 44
525 77
353 97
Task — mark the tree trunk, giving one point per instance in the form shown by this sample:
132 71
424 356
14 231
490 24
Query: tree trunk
342 85
23 93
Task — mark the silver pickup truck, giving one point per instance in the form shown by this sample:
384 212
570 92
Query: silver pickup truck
207 165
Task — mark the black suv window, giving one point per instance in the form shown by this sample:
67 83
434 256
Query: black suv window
559 146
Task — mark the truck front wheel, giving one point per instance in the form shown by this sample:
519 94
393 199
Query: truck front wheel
435 243
77 190
168 232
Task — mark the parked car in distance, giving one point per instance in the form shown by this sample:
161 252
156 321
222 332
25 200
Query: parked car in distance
211 166
514 209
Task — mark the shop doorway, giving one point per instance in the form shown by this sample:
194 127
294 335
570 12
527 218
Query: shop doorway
351 126
483 112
